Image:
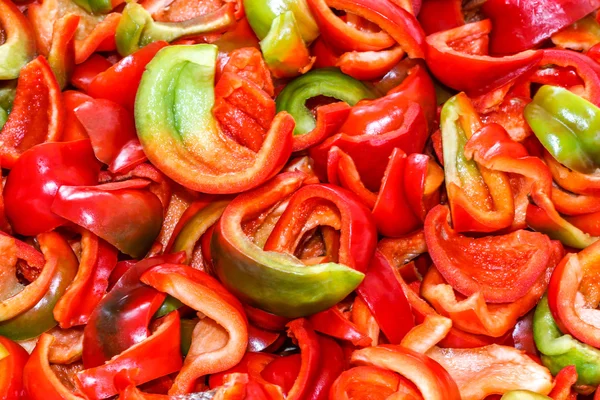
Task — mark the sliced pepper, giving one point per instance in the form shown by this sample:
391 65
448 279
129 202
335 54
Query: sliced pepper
492 369
225 322
175 146
122 317
566 125
474 73
561 350
37 115
440 15
155 356
97 261
283 48
95 208
62 263
536 21
12 361
480 200
261 14
288 287
320 82
137 28
359 382
18 46
430 378
503 268
61 56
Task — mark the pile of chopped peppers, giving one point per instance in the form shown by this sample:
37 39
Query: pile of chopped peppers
300 199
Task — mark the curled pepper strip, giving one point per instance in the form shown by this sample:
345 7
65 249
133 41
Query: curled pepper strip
368 65
480 200
289 287
187 152
465 261
61 56
97 261
427 334
137 28
39 379
431 379
156 356
18 47
399 24
492 369
358 382
474 73
37 115
225 317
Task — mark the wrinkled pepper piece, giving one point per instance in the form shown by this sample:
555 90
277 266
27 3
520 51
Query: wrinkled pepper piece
320 82
18 45
224 322
560 350
288 287
566 125
137 28
171 141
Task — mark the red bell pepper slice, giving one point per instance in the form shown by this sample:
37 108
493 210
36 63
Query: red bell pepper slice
370 152
265 320
61 56
73 129
37 115
249 63
39 379
491 370
301 331
98 259
283 371
399 24
252 364
341 171
156 356
537 21
12 361
360 382
440 15
330 118
576 274
392 211
358 235
111 130
34 181
368 65
503 268
103 208
333 323
330 367
427 334
84 73
120 81
122 317
473 73
381 291
225 324
430 378
563 384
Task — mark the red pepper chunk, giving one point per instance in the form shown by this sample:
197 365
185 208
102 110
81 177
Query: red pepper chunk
503 268
12 361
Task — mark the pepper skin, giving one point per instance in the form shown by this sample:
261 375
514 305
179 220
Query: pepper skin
287 286
192 151
18 46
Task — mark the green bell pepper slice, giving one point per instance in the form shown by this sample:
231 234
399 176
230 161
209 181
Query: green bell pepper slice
19 44
523 395
137 28
261 13
559 351
283 48
275 282
95 6
329 82
567 125
40 318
